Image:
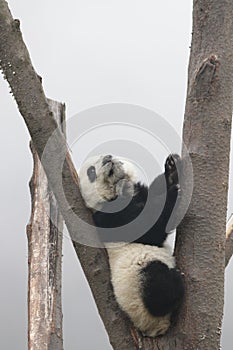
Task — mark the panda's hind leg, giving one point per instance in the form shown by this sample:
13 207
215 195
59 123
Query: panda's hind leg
162 288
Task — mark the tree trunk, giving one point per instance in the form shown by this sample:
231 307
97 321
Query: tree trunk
201 238
44 258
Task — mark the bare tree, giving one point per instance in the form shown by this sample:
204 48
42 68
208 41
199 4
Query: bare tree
44 234
201 239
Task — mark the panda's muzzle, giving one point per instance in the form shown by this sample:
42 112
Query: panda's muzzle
106 159
108 163
112 169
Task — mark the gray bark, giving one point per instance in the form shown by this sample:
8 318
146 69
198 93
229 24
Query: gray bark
44 258
200 246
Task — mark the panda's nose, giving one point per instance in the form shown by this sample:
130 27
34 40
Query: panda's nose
106 159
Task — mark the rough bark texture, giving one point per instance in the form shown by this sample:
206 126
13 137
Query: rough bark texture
200 247
44 258
201 237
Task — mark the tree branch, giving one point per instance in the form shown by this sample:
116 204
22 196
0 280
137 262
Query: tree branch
45 258
229 240
27 90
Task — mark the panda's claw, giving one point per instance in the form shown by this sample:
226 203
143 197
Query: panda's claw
172 163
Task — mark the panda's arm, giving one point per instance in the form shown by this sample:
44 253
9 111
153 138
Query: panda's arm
157 233
158 208
158 186
132 207
161 203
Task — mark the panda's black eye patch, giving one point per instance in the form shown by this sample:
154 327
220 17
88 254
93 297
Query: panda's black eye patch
91 173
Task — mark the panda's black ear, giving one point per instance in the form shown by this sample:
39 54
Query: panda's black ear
91 173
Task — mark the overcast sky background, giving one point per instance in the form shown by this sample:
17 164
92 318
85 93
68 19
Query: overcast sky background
89 53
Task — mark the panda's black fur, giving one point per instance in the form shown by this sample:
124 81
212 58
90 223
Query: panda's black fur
158 285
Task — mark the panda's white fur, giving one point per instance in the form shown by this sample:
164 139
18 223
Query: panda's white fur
105 188
127 260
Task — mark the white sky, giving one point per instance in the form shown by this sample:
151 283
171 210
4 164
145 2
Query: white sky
89 53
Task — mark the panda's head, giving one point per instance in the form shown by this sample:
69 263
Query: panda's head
103 178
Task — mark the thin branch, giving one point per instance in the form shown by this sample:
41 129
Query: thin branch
229 240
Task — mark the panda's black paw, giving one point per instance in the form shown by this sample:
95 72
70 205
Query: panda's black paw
172 168
171 162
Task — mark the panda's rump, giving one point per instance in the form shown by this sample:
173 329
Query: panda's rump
130 269
162 288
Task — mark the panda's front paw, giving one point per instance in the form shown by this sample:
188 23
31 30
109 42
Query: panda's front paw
171 162
125 188
172 167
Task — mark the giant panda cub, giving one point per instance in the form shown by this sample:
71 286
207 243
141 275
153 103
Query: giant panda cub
132 220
